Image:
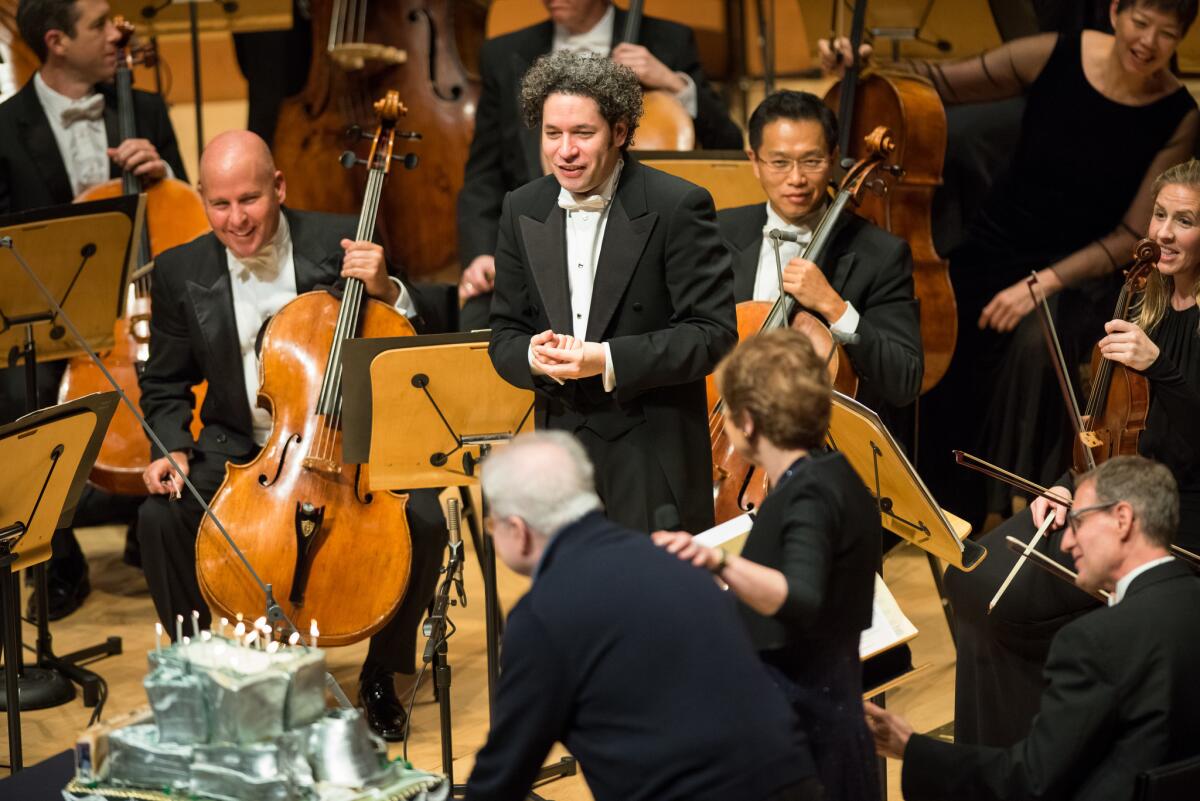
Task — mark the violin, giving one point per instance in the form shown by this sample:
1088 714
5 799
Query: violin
665 123
908 106
332 551
1115 415
739 486
174 215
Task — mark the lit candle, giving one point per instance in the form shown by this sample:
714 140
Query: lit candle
158 633
250 638
205 636
224 623
294 638
272 647
313 631
195 625
238 631
178 628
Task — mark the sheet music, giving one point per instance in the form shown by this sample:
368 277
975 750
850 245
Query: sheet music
889 625
730 535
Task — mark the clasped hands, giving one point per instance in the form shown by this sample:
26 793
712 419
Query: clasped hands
561 356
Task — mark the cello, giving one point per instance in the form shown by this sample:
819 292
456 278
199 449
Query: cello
665 123
416 47
303 517
738 486
174 215
909 106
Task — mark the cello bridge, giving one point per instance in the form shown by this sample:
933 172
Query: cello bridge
1090 439
318 465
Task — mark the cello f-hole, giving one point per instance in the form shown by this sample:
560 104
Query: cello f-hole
262 477
741 499
455 91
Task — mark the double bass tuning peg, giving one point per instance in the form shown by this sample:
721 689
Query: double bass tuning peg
349 159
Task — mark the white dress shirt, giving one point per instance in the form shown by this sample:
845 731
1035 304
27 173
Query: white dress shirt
83 143
263 284
599 42
1123 584
767 279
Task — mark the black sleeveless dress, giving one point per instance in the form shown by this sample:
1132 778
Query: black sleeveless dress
1078 164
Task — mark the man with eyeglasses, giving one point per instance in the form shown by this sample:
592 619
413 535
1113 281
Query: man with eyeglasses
863 285
1120 691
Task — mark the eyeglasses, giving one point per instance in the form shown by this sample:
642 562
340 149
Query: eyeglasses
809 166
1074 516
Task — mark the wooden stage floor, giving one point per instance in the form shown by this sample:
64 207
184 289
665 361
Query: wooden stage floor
120 605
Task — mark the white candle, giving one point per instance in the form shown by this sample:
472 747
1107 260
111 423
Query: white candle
195 625
294 638
313 631
238 631
250 638
178 628
272 647
224 623
158 633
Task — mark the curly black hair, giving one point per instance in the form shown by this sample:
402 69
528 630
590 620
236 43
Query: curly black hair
614 87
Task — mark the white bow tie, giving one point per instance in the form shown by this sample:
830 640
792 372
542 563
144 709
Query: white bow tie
569 202
263 265
89 108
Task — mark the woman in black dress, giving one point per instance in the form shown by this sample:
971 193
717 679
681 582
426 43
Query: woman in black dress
805 577
1000 655
1103 116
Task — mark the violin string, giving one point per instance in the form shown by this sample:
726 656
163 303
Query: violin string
362 22
334 16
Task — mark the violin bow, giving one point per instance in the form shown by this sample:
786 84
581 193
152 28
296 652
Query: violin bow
1058 360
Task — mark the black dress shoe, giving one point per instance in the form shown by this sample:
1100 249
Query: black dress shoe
384 712
63 598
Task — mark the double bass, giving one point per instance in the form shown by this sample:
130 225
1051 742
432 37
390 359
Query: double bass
908 106
333 551
738 486
174 215
416 47
665 123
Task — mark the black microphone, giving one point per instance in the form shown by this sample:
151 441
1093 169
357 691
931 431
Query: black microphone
784 236
666 518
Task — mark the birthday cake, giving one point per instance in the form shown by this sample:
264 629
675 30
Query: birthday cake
233 722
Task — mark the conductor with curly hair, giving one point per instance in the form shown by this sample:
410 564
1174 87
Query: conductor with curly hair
614 295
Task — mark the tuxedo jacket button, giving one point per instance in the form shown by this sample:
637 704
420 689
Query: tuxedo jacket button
637 307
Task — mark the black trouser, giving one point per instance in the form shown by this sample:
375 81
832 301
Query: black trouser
998 673
167 532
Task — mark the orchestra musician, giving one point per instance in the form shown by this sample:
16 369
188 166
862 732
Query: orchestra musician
582 656
1000 655
58 137
617 341
1091 98
863 289
505 155
211 299
1119 694
806 574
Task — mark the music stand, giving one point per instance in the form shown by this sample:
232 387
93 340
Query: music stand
45 458
84 255
423 411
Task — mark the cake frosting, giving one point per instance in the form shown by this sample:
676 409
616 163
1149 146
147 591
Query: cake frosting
236 723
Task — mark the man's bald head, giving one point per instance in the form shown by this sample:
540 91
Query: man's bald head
242 191
236 151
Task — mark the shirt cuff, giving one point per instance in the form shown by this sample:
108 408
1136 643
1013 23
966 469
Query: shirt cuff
404 302
845 326
687 95
610 375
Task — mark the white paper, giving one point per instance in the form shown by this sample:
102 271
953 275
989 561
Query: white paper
889 625
727 534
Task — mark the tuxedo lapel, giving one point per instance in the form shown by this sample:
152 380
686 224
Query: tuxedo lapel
625 236
546 246
308 273
212 300
41 145
745 266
